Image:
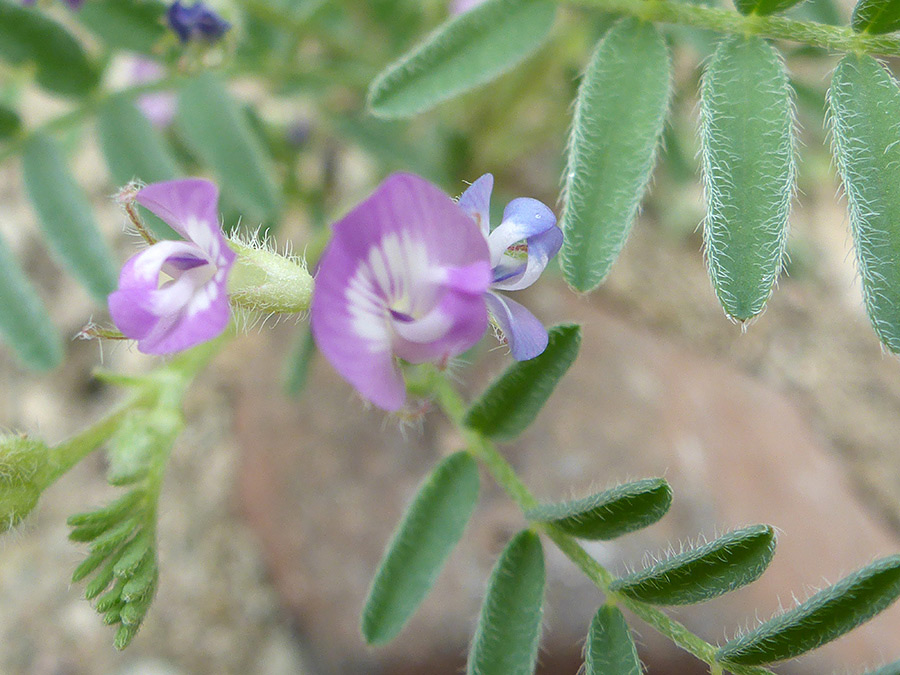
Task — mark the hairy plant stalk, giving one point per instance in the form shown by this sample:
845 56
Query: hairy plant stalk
837 38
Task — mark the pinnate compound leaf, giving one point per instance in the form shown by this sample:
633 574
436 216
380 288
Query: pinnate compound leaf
619 116
610 648
509 628
217 131
30 37
24 321
864 103
66 216
706 572
764 7
430 530
469 50
824 617
134 25
513 400
611 513
748 164
876 16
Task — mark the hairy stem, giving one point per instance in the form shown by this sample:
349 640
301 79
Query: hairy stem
837 38
506 477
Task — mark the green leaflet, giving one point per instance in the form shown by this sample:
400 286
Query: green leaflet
748 164
824 617
217 131
430 530
876 16
134 25
610 649
135 150
66 216
469 50
864 103
24 321
706 572
890 669
9 122
619 115
611 513
513 400
509 628
764 7
28 36
132 147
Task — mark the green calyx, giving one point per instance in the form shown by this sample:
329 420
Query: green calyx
23 476
265 281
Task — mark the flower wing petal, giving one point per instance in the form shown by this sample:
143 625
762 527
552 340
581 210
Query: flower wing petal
523 218
476 202
526 336
455 324
205 315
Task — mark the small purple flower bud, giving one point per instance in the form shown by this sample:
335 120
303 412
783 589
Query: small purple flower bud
159 106
196 22
173 295
520 247
403 277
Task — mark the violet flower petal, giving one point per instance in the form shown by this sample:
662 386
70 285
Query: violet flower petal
476 201
525 335
523 218
186 311
192 306
403 276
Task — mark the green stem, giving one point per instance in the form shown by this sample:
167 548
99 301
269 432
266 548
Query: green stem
837 38
67 454
506 477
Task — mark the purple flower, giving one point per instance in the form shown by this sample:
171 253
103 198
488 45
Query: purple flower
515 265
159 106
404 276
195 22
173 295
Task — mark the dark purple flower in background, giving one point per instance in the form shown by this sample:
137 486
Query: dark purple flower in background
404 276
173 295
520 248
195 22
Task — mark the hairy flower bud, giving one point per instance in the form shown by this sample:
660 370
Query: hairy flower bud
24 473
268 282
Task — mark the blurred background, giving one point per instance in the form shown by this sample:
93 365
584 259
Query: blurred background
282 493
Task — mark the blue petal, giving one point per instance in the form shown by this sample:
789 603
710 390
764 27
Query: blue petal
529 220
526 336
476 202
